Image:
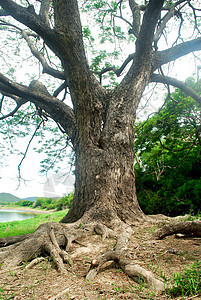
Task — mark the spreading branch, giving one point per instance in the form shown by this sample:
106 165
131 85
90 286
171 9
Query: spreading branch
135 8
27 148
44 10
150 20
59 112
29 18
163 22
173 53
19 103
176 83
40 56
3 13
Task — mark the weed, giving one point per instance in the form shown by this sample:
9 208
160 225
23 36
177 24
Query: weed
188 283
153 229
155 264
5 296
118 289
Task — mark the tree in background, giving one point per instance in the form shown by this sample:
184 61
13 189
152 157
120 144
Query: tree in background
168 144
99 122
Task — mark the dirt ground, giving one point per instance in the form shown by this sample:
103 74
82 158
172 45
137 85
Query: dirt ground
162 257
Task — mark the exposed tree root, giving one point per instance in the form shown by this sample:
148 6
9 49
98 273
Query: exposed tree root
119 256
60 294
186 227
34 262
56 240
13 239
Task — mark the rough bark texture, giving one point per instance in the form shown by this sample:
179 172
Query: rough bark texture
187 227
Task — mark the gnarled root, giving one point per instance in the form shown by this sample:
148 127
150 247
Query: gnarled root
49 238
56 240
186 227
119 256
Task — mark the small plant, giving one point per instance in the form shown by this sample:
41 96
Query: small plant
188 283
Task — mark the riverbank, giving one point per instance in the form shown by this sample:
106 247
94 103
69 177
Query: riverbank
12 228
26 209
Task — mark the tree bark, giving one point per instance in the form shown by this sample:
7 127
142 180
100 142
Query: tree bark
105 186
185 227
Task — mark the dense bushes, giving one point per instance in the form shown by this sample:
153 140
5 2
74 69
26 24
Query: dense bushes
49 203
168 146
24 203
58 204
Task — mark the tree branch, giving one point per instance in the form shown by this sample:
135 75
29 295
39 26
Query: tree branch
176 83
29 18
44 10
60 89
46 68
58 111
173 53
171 12
116 71
150 19
27 148
135 8
3 13
11 114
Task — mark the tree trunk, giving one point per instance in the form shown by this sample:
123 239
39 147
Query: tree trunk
105 180
105 186
104 148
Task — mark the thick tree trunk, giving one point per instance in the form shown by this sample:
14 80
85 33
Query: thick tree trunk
104 147
105 186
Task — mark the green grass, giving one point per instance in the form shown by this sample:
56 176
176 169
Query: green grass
28 226
187 283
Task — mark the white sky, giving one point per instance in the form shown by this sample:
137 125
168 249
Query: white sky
35 185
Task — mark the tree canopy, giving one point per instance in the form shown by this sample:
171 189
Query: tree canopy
168 150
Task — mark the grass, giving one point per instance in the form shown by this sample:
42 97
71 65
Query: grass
29 225
187 283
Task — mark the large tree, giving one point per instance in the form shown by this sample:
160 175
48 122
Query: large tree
100 122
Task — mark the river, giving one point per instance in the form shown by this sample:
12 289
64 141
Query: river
8 215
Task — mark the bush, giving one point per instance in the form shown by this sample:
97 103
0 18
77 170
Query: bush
58 204
24 203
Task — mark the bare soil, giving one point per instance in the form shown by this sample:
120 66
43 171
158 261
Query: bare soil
162 257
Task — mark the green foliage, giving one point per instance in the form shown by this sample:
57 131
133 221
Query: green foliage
188 283
58 204
168 145
109 29
24 203
47 139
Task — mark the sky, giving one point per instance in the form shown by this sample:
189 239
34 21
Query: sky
33 183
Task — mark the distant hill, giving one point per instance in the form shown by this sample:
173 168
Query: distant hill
30 198
6 197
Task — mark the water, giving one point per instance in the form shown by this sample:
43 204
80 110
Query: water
7 215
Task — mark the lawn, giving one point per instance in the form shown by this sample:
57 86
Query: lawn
28 226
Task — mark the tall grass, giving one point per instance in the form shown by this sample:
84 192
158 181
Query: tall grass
29 225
